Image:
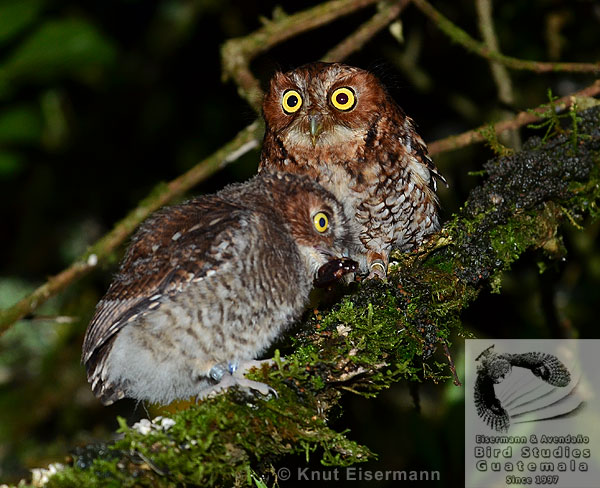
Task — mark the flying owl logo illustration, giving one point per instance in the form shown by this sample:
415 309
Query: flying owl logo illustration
538 392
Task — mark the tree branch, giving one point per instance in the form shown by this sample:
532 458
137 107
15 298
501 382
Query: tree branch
500 73
237 54
461 37
488 33
386 15
522 118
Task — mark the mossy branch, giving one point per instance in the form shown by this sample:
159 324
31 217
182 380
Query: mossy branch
521 119
376 335
461 37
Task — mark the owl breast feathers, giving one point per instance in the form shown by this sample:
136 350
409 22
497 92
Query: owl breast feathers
338 124
209 284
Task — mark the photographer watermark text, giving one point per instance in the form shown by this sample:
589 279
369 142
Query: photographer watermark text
353 473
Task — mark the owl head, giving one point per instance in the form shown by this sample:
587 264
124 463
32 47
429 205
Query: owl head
323 105
313 217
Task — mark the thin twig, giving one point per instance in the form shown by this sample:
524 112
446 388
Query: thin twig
500 73
465 40
236 54
450 363
355 41
488 33
522 118
246 140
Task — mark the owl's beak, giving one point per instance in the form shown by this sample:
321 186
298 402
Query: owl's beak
316 127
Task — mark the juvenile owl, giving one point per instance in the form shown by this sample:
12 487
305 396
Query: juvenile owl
338 124
207 285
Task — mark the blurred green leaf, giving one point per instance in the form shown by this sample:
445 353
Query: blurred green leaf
56 127
20 124
12 289
6 89
10 164
15 15
59 48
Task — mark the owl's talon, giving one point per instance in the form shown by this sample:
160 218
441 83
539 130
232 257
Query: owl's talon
377 270
231 373
334 270
247 364
230 381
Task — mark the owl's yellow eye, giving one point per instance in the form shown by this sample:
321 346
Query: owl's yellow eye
343 98
321 222
291 101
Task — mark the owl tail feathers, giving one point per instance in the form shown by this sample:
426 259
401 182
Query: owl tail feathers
439 177
109 394
106 391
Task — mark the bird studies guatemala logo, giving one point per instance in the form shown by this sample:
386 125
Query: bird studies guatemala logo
532 413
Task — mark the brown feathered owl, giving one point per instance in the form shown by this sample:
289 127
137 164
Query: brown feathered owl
207 285
338 124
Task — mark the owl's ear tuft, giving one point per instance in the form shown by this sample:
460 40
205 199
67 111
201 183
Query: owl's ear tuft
279 81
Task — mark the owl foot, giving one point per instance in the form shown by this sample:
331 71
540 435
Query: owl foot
231 374
333 271
229 381
378 270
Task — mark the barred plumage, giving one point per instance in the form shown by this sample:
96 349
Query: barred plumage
207 285
339 125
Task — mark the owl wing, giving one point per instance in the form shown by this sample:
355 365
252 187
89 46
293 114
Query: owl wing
489 408
436 175
418 150
545 366
171 248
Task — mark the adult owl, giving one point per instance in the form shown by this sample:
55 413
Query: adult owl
338 124
207 285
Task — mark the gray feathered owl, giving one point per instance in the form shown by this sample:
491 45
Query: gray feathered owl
207 285
338 124
494 368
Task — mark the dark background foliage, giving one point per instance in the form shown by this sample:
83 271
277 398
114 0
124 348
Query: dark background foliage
100 101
